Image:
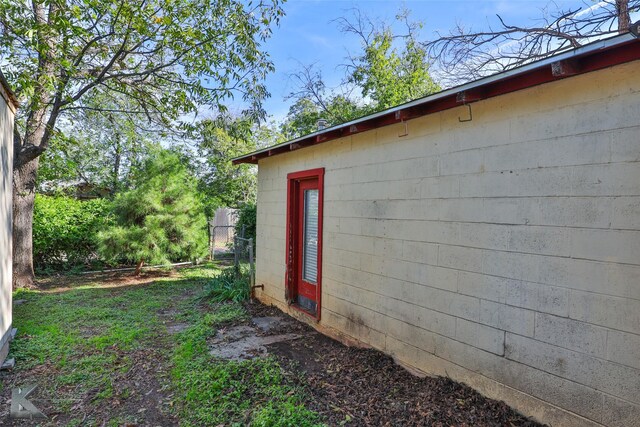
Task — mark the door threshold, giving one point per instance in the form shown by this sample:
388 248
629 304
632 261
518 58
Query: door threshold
299 308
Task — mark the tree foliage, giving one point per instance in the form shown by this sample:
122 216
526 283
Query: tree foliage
247 220
389 74
220 140
391 68
313 105
161 219
98 149
65 231
166 57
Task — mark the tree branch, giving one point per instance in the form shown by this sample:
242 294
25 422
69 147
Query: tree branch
463 55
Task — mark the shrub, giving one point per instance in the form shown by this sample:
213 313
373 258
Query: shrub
247 219
65 231
229 285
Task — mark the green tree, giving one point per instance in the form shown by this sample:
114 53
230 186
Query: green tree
307 110
161 219
65 230
165 57
248 221
97 148
222 139
387 73
391 68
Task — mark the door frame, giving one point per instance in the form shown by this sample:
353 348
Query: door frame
292 256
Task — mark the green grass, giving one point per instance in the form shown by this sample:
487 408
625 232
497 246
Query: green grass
87 337
215 392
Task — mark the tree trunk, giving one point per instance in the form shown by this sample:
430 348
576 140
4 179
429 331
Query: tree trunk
624 20
24 182
116 168
25 171
117 149
139 267
41 117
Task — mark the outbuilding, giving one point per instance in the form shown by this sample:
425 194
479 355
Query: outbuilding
489 232
8 105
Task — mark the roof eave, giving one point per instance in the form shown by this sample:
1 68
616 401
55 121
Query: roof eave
594 56
7 93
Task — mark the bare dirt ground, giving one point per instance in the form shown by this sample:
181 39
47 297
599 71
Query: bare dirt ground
364 387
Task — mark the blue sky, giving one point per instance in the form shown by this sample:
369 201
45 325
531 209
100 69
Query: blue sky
307 34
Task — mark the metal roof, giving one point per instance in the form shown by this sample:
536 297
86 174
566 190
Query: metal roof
591 57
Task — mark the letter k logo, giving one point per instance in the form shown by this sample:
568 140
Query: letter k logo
21 407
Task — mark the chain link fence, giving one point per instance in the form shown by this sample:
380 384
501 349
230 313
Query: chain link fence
221 241
226 242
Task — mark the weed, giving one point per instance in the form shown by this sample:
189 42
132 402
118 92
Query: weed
230 285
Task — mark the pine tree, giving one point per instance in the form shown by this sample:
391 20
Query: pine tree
161 219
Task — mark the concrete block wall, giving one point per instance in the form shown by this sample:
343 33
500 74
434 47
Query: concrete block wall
503 252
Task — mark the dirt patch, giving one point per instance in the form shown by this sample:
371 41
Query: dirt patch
61 283
142 396
176 328
267 323
139 397
364 387
244 342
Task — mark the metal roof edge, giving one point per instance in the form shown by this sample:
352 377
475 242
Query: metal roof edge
568 55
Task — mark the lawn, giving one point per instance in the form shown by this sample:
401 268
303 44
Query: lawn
119 351
102 353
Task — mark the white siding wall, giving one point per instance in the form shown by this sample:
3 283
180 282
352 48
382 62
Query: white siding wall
6 166
504 252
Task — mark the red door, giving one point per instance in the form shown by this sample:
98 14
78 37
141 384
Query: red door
305 240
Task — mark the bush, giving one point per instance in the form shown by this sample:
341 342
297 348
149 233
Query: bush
229 285
247 219
65 231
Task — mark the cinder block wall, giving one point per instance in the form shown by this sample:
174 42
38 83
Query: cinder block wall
503 252
6 191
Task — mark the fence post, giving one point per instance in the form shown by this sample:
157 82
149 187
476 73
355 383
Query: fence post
212 242
252 271
236 258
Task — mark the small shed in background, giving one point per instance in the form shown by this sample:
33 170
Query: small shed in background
8 105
